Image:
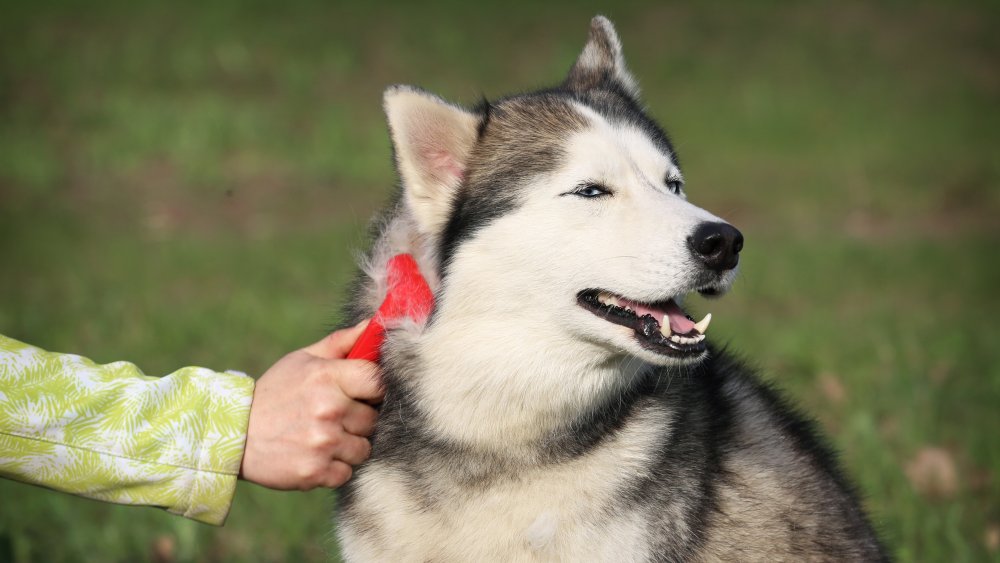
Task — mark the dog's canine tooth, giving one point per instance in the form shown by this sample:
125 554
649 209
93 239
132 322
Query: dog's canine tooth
702 325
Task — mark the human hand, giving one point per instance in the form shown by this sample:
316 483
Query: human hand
310 416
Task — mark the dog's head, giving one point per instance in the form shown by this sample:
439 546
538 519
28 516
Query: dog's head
562 211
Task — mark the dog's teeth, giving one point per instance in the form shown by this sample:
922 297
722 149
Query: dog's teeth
665 328
698 337
675 338
702 326
608 299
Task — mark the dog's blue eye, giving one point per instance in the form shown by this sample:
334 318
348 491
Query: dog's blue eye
674 186
591 190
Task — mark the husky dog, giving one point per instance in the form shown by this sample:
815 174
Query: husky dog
559 405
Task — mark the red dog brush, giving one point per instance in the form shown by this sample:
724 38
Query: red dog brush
407 295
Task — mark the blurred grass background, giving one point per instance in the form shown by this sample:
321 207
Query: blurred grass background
183 183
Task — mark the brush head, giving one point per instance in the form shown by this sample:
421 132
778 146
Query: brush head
407 296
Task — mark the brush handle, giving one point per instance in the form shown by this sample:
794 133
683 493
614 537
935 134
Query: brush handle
368 345
407 295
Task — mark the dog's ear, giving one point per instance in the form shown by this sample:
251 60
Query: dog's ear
432 141
601 64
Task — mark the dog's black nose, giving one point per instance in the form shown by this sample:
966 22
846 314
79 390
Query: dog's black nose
717 245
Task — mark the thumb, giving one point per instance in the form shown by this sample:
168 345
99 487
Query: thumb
338 343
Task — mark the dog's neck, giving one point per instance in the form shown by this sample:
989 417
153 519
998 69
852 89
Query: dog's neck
504 383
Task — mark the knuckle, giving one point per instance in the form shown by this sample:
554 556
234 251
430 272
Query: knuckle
315 373
367 421
309 475
338 474
326 404
329 410
336 410
357 451
323 440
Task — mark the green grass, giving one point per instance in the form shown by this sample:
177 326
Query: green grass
184 184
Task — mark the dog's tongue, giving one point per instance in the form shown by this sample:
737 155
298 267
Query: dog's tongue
679 323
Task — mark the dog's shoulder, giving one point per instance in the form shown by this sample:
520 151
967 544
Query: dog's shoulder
779 488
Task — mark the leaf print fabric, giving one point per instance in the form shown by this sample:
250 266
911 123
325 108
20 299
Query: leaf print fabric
111 433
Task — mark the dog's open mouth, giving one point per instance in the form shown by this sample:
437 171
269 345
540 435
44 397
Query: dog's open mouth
662 327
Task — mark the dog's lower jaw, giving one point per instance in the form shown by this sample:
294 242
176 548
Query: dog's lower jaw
623 350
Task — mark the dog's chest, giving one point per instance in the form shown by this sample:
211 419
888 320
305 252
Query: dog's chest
559 514
572 510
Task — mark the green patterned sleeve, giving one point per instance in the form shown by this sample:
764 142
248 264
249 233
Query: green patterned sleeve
109 432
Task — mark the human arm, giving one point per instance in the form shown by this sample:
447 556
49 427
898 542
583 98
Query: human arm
109 432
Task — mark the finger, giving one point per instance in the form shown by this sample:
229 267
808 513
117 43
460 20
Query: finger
358 379
338 343
360 419
337 474
353 449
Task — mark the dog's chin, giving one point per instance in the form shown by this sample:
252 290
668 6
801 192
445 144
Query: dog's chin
659 332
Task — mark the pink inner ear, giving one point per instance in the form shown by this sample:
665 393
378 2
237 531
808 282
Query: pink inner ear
444 165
